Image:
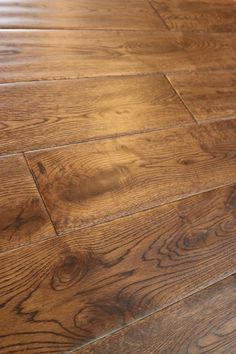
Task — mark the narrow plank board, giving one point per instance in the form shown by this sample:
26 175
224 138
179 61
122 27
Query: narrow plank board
94 182
79 14
203 323
209 96
23 218
42 114
67 291
42 55
204 15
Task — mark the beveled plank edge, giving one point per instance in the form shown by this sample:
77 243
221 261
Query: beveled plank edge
181 99
100 138
22 28
106 136
141 73
40 195
68 232
112 136
58 146
77 349
159 16
198 121
152 30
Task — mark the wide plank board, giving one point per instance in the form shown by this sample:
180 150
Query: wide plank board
93 182
67 291
42 55
79 14
203 323
23 218
209 96
202 15
42 114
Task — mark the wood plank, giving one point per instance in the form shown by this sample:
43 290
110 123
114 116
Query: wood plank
203 323
42 114
94 182
23 218
42 55
67 291
209 96
204 15
79 14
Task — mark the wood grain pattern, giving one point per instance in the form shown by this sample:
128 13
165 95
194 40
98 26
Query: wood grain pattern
209 96
204 15
203 323
43 55
79 14
93 182
22 215
40 114
67 291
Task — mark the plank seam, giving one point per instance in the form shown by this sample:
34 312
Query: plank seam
67 233
160 17
141 73
99 138
151 30
42 199
182 100
90 29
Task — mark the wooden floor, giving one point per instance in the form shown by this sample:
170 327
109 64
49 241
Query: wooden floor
118 176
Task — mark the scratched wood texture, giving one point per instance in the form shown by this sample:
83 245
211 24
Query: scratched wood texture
62 293
94 182
23 218
46 55
43 114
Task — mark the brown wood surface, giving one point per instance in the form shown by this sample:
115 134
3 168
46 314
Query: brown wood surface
40 114
209 96
203 323
79 14
192 15
64 292
117 176
93 182
43 55
23 218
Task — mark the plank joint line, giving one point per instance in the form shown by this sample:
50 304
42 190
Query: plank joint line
40 195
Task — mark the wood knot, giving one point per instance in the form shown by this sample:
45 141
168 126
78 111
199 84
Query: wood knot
195 240
187 162
71 269
92 315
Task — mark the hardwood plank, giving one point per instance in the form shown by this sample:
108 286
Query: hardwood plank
94 182
23 217
204 15
203 323
42 55
209 96
79 14
41 114
67 291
